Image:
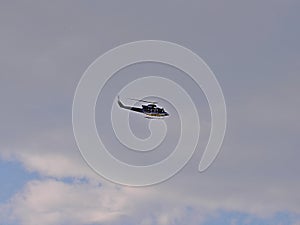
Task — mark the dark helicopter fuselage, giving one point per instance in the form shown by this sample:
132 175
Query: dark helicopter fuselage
150 110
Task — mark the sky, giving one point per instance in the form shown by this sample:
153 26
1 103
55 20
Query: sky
251 46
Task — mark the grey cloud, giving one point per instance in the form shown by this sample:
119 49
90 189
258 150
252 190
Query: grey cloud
252 47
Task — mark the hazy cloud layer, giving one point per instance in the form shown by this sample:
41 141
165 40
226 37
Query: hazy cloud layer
251 46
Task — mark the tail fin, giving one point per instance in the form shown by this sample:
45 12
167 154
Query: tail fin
140 110
120 103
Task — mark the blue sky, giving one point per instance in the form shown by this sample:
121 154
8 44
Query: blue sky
253 49
13 177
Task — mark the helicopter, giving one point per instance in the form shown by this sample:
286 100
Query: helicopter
150 110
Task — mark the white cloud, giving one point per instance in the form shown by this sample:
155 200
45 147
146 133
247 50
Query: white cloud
52 153
51 202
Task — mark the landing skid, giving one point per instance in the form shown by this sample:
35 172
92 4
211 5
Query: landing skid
153 118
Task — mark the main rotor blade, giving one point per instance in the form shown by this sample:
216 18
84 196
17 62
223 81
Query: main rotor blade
140 100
